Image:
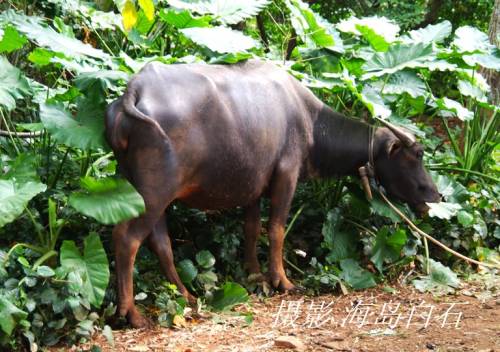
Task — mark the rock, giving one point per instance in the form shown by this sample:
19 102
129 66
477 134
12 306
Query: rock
336 345
289 342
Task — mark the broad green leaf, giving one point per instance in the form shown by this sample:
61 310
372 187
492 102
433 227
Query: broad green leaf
468 89
357 277
148 7
443 210
102 80
312 28
36 30
387 247
340 243
108 200
129 15
42 57
431 33
470 39
45 271
183 19
219 39
374 102
14 197
456 108
187 271
465 218
224 11
11 40
228 296
85 132
452 191
440 280
230 58
205 259
92 266
377 41
490 61
399 57
379 207
13 84
10 315
401 82
381 26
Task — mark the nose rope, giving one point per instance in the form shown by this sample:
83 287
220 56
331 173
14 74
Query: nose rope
367 173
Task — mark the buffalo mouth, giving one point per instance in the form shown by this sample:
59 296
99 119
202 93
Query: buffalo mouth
421 209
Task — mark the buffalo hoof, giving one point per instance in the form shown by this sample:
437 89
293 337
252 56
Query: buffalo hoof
138 321
281 283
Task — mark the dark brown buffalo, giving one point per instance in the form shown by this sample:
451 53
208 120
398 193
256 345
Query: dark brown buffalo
218 136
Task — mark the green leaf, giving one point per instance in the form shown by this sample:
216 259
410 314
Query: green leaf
470 39
108 200
456 108
13 84
381 208
468 89
102 80
183 19
187 271
11 40
45 271
205 259
228 296
452 191
465 218
490 61
10 315
219 39
36 30
42 57
14 198
129 15
230 58
398 57
443 210
377 41
341 244
92 266
380 26
227 12
401 82
440 280
387 248
374 102
357 277
432 33
84 132
312 28
148 7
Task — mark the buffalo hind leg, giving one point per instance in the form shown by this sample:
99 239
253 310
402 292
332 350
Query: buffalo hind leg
159 242
252 231
282 190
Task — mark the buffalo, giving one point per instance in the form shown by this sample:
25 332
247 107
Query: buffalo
223 136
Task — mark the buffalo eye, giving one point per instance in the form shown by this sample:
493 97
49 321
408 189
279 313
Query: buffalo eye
420 154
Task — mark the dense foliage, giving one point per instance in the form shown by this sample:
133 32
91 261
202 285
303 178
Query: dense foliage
61 62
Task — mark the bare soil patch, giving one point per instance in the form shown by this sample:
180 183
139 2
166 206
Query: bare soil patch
370 320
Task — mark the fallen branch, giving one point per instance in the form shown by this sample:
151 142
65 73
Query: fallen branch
4 133
432 239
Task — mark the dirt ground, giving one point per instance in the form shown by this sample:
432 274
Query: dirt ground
371 320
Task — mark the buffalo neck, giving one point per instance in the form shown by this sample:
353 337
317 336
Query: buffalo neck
340 144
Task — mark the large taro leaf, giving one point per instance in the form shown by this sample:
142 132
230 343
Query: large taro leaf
381 26
374 102
183 19
470 39
357 277
101 80
443 210
387 246
108 200
10 315
490 61
84 132
397 58
440 279
219 39
341 244
377 41
449 106
225 11
312 28
13 84
432 33
92 267
401 82
229 295
35 29
15 196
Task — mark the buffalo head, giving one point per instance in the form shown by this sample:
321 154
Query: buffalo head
400 169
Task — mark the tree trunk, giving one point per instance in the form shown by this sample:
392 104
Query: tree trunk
432 13
492 76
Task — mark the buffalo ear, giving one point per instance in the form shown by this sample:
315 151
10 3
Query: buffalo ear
393 146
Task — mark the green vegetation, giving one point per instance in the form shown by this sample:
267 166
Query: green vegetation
61 62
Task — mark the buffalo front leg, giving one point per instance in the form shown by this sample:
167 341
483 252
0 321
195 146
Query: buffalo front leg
282 190
159 242
252 231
